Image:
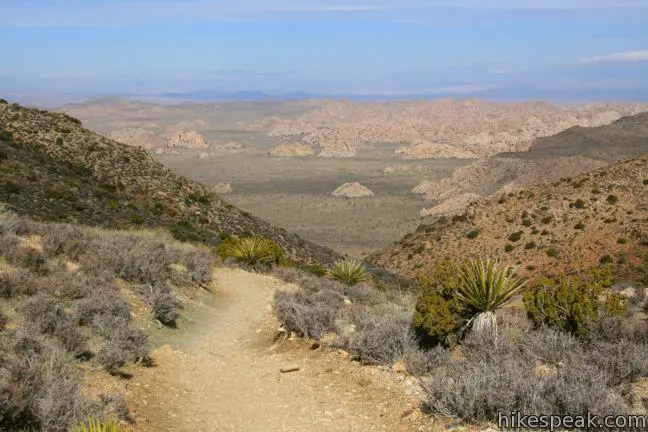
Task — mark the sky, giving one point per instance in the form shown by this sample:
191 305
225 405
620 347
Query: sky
596 49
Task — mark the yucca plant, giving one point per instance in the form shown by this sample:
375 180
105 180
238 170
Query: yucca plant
96 425
485 286
254 251
348 271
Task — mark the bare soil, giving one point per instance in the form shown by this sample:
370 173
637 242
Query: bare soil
222 373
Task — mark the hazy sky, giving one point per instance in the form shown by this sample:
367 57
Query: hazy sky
365 46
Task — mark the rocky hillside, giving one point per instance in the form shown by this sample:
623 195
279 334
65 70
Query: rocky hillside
53 169
571 152
573 223
440 128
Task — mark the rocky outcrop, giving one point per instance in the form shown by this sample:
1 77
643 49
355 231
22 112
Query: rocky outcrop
222 188
353 190
451 207
188 140
441 128
136 137
291 150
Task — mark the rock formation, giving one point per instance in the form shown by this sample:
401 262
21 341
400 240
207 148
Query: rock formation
188 140
353 190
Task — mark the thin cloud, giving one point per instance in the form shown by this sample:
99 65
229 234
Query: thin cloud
141 12
620 57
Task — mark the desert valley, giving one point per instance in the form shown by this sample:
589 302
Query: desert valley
284 216
143 246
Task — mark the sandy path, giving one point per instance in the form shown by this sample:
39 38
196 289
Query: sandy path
226 376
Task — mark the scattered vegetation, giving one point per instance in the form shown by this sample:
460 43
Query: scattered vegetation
61 282
612 199
573 303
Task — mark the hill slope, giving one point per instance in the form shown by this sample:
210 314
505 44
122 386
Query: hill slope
574 151
570 224
53 169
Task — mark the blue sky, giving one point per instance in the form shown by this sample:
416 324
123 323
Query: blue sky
445 47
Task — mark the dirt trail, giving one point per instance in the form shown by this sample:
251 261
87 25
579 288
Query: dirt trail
223 375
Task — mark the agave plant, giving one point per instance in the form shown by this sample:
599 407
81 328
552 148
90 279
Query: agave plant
96 425
348 271
254 251
485 286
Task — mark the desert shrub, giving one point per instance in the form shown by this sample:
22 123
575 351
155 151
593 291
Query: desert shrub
348 271
527 222
28 258
549 345
579 204
3 321
64 240
516 236
579 226
199 265
645 181
363 293
101 304
485 286
95 424
438 316
530 245
424 361
500 378
508 247
612 199
164 306
379 337
307 316
472 234
252 251
553 253
50 317
124 343
546 220
606 259
572 303
17 283
38 387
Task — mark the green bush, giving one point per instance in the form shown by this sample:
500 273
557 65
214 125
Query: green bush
530 245
645 182
527 222
573 303
515 236
553 253
472 234
508 247
348 271
438 317
579 204
612 199
250 250
579 226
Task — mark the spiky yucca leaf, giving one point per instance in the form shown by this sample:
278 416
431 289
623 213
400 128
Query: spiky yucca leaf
484 286
253 250
96 425
348 271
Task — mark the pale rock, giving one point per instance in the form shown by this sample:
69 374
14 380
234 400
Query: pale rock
352 190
